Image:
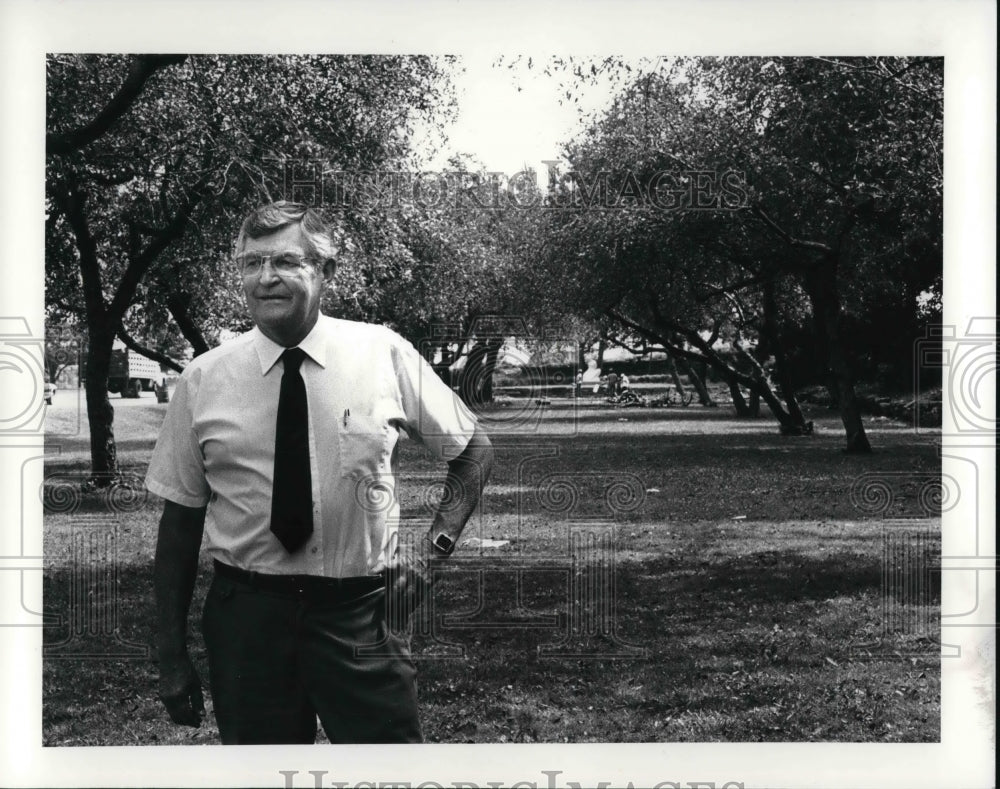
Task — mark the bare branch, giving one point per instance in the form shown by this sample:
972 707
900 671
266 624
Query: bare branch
149 353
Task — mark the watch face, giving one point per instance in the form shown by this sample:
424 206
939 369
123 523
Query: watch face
444 543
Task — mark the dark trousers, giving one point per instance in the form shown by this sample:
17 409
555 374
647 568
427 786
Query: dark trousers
280 657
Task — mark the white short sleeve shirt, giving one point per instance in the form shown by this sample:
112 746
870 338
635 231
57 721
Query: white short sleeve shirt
364 385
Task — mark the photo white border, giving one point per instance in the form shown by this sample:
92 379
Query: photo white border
962 31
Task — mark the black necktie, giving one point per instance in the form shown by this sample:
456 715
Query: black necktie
291 499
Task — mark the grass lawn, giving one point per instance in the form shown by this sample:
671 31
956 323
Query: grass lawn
665 575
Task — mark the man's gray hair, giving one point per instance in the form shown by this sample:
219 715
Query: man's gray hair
322 239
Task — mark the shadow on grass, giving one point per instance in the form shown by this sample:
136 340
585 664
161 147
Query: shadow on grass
735 648
718 476
747 647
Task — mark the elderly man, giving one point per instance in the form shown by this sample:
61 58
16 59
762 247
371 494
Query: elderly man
280 445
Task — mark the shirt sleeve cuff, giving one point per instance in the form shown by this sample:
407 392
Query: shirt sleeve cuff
174 495
451 446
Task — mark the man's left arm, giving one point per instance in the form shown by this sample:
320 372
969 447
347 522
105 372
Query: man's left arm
463 487
413 572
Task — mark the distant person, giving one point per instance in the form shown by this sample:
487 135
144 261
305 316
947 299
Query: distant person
612 383
578 386
623 384
273 445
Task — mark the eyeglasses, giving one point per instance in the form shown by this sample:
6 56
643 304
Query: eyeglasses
283 264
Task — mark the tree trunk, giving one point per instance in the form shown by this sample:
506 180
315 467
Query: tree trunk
751 409
101 329
695 378
675 376
177 304
850 413
100 413
822 290
104 318
698 382
791 424
792 403
739 402
700 369
664 334
776 348
53 369
477 378
469 382
600 353
489 367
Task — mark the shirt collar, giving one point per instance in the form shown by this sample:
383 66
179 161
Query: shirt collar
268 351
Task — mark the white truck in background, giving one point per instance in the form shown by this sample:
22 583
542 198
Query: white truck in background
132 373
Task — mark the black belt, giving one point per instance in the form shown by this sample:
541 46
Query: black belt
303 585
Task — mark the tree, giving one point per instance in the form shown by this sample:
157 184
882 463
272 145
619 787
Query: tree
151 161
850 154
658 273
442 270
837 204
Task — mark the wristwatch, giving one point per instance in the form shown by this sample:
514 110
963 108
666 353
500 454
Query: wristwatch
443 544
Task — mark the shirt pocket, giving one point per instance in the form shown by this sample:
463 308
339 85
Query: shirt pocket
365 443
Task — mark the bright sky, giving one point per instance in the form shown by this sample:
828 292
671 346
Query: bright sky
511 117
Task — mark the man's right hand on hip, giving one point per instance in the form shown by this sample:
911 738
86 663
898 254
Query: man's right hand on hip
409 579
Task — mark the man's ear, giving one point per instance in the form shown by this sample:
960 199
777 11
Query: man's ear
329 269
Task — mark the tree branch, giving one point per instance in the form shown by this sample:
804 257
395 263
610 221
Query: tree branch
139 264
838 190
140 70
668 347
622 344
714 335
177 304
703 345
72 309
71 201
791 240
149 353
725 290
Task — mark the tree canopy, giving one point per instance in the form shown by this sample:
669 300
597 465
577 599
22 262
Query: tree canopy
778 219
153 160
744 199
